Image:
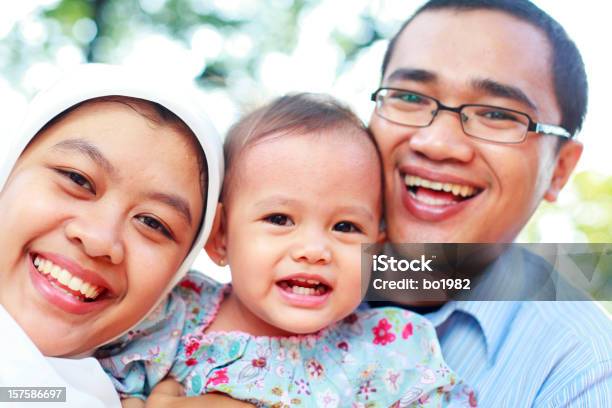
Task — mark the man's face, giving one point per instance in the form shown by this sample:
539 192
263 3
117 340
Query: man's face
458 58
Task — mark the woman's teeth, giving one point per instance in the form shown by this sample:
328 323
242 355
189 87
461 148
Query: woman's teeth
65 278
456 189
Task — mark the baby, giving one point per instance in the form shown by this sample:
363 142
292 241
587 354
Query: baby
301 196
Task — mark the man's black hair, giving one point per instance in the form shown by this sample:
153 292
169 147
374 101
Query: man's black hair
569 76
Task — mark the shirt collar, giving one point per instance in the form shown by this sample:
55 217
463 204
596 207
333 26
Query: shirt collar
492 319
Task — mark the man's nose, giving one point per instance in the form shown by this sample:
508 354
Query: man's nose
98 235
312 247
444 139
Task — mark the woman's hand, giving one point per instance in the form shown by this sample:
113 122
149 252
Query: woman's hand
169 394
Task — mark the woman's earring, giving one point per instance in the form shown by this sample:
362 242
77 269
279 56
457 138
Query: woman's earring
222 262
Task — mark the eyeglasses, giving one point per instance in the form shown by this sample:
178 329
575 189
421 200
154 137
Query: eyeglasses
490 123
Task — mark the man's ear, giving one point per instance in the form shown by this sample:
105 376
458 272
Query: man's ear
566 162
216 246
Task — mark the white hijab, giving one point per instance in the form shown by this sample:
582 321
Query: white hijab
84 83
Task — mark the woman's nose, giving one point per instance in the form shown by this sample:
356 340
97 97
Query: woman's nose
98 236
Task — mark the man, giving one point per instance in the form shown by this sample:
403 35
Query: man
457 173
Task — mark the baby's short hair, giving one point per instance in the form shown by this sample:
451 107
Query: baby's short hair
293 114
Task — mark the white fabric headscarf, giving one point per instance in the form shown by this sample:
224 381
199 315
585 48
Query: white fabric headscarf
97 80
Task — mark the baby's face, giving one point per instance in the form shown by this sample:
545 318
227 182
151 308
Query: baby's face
299 211
99 212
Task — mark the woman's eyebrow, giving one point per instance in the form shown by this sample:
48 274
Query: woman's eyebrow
174 201
88 149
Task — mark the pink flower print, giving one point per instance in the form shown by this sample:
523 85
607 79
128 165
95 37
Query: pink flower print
472 399
443 370
428 376
343 345
381 332
351 319
294 355
303 386
366 389
192 344
191 285
408 331
154 352
219 377
392 379
328 399
314 368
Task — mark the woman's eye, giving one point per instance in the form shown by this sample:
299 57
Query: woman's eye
279 219
154 224
78 179
346 226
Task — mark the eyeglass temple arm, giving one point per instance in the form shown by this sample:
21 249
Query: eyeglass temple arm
549 130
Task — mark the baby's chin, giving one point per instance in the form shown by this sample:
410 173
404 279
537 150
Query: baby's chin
306 322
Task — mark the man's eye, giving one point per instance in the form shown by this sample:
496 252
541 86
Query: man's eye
154 224
499 115
78 179
279 219
410 97
346 226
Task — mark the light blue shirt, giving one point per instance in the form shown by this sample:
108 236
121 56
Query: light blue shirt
528 353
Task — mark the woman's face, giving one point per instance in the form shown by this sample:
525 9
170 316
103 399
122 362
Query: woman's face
100 211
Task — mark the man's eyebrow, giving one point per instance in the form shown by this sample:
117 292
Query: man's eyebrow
503 90
174 201
87 148
412 74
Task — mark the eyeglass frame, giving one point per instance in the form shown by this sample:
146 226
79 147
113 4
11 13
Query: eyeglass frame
532 126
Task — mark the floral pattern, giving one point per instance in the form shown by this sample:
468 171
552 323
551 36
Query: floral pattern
373 358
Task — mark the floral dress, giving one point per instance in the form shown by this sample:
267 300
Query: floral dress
373 358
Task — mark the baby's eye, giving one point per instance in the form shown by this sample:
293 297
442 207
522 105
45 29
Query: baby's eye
279 219
78 179
346 226
154 224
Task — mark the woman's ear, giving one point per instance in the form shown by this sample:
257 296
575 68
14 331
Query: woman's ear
216 246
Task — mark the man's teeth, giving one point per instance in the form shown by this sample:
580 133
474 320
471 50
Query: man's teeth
456 189
64 277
